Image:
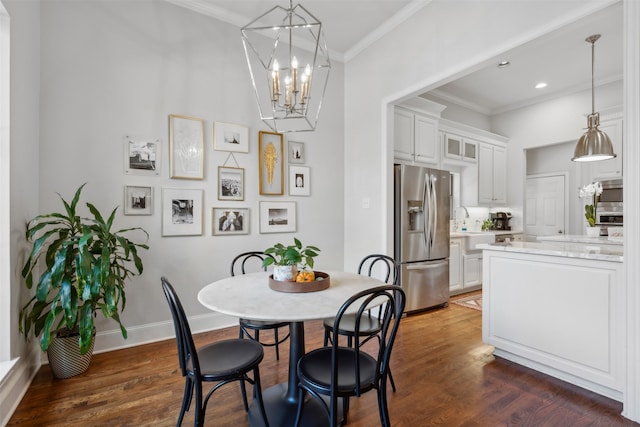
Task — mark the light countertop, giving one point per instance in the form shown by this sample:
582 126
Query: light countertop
603 240
494 232
591 250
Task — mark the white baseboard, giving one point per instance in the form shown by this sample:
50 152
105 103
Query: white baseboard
153 332
16 382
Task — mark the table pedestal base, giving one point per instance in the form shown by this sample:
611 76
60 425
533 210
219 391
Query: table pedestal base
281 411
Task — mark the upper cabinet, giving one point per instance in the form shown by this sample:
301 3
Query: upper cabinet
492 174
415 132
459 148
608 169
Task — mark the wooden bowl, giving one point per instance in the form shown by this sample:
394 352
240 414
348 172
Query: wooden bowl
300 287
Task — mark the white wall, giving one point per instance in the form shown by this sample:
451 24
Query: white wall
24 164
110 69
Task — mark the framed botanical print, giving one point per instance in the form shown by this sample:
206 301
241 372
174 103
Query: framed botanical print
141 155
186 147
230 137
181 212
296 152
277 217
228 221
230 183
271 163
138 200
299 181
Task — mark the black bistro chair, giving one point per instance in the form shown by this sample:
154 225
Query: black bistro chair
342 372
382 266
221 362
251 328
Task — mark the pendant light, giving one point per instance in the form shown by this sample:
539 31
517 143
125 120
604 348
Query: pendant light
289 66
594 145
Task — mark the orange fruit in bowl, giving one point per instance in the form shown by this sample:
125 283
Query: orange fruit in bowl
305 276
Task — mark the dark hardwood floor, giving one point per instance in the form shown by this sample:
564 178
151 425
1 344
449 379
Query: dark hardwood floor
444 373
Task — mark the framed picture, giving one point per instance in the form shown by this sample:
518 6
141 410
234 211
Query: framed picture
271 163
230 137
138 200
299 181
277 217
181 212
230 183
296 152
141 155
186 147
225 221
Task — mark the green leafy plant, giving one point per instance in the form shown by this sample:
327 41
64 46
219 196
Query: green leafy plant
294 254
86 265
487 224
591 192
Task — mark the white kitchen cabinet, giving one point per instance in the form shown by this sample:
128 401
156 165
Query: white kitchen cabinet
459 148
472 270
608 169
415 133
455 266
492 174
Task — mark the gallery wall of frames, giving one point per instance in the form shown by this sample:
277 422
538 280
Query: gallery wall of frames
281 164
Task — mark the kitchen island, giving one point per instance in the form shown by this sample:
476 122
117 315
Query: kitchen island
558 307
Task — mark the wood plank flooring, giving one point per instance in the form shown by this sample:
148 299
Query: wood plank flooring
444 373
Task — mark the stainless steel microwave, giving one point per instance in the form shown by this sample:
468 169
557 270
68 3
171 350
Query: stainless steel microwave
610 203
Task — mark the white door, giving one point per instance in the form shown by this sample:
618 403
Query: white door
545 205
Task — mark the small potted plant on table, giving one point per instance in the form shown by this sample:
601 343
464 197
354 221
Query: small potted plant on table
287 259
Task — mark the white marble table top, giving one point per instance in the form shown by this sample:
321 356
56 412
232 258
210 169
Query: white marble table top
249 296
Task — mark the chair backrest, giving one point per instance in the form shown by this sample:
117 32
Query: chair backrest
252 259
184 339
378 265
392 298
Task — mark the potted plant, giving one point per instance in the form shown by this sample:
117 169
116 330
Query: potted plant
591 192
85 267
287 259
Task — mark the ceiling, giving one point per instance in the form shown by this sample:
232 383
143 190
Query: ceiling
562 59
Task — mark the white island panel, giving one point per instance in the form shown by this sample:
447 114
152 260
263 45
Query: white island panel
559 315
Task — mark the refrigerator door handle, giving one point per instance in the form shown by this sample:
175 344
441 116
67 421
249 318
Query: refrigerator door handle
434 204
426 213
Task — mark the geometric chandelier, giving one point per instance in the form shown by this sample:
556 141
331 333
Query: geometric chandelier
289 65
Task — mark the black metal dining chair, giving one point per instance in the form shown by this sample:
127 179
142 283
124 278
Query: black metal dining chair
248 327
343 372
382 266
222 362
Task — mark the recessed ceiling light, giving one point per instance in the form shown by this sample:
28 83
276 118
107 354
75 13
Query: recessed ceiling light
504 64
541 85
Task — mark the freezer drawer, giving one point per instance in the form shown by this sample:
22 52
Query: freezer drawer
426 284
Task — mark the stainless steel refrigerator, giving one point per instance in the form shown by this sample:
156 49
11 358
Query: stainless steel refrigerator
421 237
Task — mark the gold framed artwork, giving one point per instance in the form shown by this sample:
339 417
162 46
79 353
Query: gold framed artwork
271 162
186 147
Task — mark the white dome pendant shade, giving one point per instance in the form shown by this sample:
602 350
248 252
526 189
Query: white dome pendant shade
594 144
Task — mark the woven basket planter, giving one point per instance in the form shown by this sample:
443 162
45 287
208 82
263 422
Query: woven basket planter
64 355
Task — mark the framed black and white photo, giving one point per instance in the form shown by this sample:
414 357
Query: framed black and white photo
296 152
230 137
181 212
186 147
227 221
230 183
141 155
299 181
138 200
277 217
271 163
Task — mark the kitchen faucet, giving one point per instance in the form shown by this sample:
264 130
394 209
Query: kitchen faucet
466 212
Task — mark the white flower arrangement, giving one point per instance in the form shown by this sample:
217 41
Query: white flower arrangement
591 191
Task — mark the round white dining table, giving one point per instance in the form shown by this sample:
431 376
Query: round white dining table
249 296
